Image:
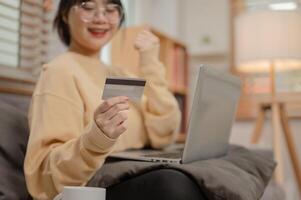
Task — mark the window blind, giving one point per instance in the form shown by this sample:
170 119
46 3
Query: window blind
35 29
24 32
9 32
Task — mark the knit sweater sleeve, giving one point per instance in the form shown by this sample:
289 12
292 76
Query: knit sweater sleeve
159 107
61 149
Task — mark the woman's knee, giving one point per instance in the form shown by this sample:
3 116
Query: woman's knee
163 184
173 184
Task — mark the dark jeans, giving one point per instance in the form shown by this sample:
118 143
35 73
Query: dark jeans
164 184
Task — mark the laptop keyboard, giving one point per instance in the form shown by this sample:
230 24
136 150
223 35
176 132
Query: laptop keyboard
165 155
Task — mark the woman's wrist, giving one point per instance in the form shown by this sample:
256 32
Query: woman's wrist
150 65
149 55
95 140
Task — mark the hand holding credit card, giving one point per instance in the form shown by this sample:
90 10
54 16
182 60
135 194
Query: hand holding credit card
129 87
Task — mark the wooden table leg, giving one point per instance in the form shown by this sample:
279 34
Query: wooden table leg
291 146
258 126
277 142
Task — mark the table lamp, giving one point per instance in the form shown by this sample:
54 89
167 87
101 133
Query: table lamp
266 42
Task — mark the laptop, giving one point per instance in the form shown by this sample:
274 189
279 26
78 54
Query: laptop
212 114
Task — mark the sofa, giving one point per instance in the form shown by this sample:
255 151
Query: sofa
13 141
14 134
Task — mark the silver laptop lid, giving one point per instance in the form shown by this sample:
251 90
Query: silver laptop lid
212 113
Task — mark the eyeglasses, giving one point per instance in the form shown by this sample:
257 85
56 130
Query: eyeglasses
113 13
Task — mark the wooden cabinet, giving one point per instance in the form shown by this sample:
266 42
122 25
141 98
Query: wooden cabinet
173 54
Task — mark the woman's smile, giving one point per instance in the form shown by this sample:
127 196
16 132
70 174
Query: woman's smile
98 32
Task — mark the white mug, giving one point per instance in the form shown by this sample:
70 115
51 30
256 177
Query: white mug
81 193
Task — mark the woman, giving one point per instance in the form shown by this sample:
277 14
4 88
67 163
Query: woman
72 130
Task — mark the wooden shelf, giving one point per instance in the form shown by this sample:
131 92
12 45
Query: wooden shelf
15 87
16 74
16 81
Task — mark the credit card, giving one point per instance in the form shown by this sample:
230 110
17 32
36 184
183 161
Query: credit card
130 87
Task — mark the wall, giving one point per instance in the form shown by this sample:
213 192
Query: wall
205 26
161 14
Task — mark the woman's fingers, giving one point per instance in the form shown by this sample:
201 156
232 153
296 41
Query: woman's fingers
111 116
121 128
106 105
119 118
114 110
145 40
114 127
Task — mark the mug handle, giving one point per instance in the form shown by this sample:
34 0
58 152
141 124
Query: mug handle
58 197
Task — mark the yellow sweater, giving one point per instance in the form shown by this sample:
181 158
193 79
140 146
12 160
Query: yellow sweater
65 145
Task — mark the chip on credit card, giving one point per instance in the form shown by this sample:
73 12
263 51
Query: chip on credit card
129 87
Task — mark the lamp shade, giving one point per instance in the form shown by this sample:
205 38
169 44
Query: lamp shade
262 37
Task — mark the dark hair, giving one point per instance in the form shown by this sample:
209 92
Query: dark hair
64 8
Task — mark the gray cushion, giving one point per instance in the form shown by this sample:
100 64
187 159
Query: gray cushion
13 141
240 175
